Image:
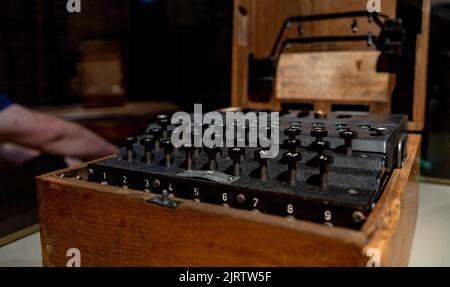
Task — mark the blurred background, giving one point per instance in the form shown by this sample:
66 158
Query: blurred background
176 51
116 65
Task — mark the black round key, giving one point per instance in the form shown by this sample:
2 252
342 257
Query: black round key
324 162
320 146
343 129
348 137
147 142
155 132
319 133
211 149
236 151
325 159
130 141
129 147
167 145
292 132
163 120
291 159
292 145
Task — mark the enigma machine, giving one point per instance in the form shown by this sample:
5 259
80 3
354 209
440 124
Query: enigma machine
334 176
330 169
331 180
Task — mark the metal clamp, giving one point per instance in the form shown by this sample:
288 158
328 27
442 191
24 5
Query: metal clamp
163 200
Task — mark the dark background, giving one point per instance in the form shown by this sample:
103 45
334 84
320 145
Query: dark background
176 50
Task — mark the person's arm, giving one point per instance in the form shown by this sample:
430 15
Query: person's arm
52 135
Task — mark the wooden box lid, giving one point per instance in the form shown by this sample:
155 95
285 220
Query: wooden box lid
328 73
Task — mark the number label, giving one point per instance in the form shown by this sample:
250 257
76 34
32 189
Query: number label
255 201
290 208
327 215
224 196
124 179
196 193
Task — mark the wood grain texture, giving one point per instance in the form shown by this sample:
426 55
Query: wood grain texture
421 69
391 225
333 76
114 227
256 31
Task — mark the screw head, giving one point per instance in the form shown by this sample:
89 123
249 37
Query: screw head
292 131
358 217
319 132
211 149
167 145
348 135
130 141
147 141
292 143
188 147
163 121
291 157
325 159
236 151
321 145
156 132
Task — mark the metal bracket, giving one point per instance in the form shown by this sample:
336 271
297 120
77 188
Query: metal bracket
163 200
211 175
390 41
401 150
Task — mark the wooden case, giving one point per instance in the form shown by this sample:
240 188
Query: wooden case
115 227
112 226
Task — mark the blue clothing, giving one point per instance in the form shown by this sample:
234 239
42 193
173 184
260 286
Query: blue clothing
4 102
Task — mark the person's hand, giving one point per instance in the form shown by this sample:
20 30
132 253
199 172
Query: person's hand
16 155
46 133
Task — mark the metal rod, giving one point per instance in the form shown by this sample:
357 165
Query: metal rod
296 19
